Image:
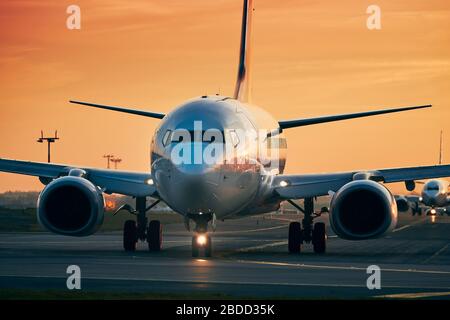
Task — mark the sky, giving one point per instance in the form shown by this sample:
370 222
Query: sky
310 58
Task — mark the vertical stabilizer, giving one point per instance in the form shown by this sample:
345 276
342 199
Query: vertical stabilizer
440 148
243 83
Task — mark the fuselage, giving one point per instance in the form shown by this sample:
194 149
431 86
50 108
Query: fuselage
435 193
214 154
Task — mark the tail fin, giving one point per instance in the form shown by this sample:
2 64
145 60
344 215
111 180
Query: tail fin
440 149
243 83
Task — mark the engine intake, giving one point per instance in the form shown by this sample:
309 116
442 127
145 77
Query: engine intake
363 209
71 206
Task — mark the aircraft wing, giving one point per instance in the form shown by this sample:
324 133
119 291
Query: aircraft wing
413 198
111 181
312 185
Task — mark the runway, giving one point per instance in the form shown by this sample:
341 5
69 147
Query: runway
250 260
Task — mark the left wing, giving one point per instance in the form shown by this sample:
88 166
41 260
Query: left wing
312 185
110 181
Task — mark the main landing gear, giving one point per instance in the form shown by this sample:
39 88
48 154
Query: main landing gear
133 231
416 210
310 233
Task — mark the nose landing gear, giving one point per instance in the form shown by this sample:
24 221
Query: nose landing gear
201 240
313 233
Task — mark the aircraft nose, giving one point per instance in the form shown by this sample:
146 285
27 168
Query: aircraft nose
429 197
195 186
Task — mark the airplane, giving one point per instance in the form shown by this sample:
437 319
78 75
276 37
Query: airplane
251 181
435 194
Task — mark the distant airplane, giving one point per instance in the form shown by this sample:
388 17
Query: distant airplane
435 195
219 157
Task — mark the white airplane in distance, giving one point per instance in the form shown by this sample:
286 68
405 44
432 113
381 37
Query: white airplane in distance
249 182
435 194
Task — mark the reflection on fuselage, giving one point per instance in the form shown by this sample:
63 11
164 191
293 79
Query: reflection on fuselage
205 173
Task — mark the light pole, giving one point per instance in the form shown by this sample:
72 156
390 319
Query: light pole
116 161
108 157
49 140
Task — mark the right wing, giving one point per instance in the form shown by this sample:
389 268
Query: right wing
110 181
120 109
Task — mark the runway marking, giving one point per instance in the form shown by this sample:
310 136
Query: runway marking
402 228
269 245
312 266
417 295
282 219
252 230
436 253
263 246
410 225
206 282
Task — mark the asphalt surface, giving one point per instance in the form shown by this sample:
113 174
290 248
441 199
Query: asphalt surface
250 260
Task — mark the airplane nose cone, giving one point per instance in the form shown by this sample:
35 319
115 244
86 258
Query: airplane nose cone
196 187
429 198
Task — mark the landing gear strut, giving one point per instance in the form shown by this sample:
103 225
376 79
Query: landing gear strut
416 210
133 231
310 233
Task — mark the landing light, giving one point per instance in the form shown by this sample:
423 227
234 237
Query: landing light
433 211
284 183
149 182
201 240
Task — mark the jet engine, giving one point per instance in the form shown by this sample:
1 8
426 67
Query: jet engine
402 203
71 206
363 209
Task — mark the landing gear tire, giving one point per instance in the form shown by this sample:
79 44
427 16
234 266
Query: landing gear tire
130 235
295 237
205 246
195 247
319 238
208 247
154 236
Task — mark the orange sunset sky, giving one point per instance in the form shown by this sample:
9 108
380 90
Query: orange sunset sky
310 58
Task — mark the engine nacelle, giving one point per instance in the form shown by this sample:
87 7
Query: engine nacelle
402 203
363 209
71 206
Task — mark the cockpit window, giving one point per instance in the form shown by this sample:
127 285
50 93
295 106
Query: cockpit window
208 136
433 187
167 137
